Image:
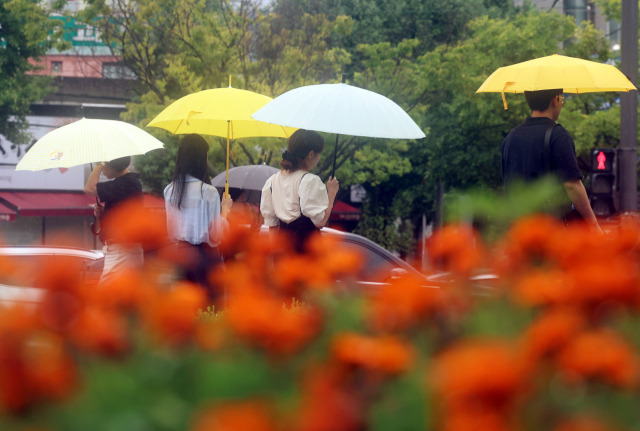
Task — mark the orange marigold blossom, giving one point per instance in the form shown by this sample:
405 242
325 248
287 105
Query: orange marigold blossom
128 289
172 314
294 272
133 223
402 303
235 416
472 420
615 279
528 239
569 245
384 354
552 331
460 375
64 292
99 330
456 248
34 363
52 372
328 403
600 354
544 287
583 424
240 233
260 318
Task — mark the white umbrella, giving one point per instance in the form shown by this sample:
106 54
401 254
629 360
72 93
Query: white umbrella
87 141
341 109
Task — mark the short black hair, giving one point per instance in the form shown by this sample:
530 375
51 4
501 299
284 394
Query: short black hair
541 99
120 164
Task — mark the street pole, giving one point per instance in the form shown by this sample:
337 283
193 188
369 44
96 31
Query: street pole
628 156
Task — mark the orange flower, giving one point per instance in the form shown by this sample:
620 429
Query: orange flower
403 303
262 320
388 355
614 278
472 420
328 404
582 424
128 289
600 354
34 363
133 223
240 416
100 331
172 314
549 287
552 331
460 375
455 248
51 371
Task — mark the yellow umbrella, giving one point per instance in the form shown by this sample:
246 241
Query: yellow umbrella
573 75
219 112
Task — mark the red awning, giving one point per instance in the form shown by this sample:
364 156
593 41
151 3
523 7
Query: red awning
7 214
344 211
52 204
48 203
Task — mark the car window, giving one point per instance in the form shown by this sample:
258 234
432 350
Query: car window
376 266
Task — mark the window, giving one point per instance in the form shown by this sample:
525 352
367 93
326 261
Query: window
56 67
116 71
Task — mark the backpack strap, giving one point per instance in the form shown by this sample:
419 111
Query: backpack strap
546 149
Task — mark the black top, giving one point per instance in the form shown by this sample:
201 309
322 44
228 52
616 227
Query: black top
522 152
119 190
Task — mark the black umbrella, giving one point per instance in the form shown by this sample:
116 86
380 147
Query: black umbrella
248 179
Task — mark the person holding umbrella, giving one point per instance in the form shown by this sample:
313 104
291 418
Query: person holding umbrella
294 200
540 146
123 186
196 217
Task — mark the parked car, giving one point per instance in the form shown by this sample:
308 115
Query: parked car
28 259
379 264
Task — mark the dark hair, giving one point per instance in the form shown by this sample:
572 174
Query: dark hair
541 99
192 160
301 143
120 164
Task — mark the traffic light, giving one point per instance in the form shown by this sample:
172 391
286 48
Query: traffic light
602 181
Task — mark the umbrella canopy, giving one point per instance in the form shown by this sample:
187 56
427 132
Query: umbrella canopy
224 112
573 75
249 178
87 141
341 109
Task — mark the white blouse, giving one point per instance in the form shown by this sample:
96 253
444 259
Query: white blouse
198 220
287 195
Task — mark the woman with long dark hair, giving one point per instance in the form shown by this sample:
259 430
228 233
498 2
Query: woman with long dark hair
294 200
196 218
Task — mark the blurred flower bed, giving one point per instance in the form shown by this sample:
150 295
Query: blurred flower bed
553 346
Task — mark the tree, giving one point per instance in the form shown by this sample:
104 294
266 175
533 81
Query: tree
177 47
26 33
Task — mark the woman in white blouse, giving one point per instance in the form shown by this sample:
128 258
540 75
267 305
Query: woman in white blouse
196 218
294 200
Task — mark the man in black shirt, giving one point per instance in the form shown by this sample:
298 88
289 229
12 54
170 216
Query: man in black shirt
525 158
124 186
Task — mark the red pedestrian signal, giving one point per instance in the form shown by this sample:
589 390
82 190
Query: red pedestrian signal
601 159
602 184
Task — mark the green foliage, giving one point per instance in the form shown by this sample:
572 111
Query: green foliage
493 211
26 32
612 9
